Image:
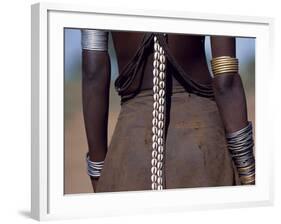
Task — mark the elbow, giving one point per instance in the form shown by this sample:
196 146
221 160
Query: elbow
95 73
224 84
228 86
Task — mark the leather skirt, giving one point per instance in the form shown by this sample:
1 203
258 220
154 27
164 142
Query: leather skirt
195 155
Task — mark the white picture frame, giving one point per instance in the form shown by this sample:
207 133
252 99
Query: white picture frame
48 200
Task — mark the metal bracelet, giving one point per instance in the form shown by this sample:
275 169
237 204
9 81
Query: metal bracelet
94 168
235 134
94 40
240 145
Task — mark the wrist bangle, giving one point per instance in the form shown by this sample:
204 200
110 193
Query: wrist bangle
94 168
240 145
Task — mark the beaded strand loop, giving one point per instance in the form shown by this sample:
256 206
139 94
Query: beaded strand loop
159 76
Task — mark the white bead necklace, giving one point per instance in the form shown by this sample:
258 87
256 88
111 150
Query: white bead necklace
159 75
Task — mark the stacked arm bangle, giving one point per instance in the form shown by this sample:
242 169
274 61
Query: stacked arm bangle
240 145
224 64
94 40
94 168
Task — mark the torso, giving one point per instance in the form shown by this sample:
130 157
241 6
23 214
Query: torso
188 50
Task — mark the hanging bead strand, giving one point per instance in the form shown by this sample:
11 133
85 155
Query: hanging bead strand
159 75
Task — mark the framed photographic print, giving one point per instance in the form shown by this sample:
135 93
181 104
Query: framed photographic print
138 111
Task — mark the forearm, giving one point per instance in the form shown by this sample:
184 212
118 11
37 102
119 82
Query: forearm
95 98
95 95
231 101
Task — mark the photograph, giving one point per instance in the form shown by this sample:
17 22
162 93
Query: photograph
154 111
140 112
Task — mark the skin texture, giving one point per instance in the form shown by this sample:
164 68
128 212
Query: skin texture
95 98
189 52
228 88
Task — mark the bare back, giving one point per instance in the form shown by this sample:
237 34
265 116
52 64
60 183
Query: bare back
188 50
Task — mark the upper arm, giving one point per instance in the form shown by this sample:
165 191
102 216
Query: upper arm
95 57
223 46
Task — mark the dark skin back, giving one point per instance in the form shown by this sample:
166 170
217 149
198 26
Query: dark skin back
189 52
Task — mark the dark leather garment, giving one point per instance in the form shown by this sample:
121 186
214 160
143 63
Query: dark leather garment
196 154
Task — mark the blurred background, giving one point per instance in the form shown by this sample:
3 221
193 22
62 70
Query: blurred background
76 179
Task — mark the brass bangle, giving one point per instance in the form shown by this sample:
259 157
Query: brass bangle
221 58
224 64
249 181
218 59
248 178
246 168
224 68
229 59
225 71
219 66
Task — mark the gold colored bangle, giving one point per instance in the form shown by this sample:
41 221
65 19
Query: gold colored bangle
222 71
248 178
250 181
224 58
253 174
221 59
225 68
224 64
216 67
246 168
216 62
